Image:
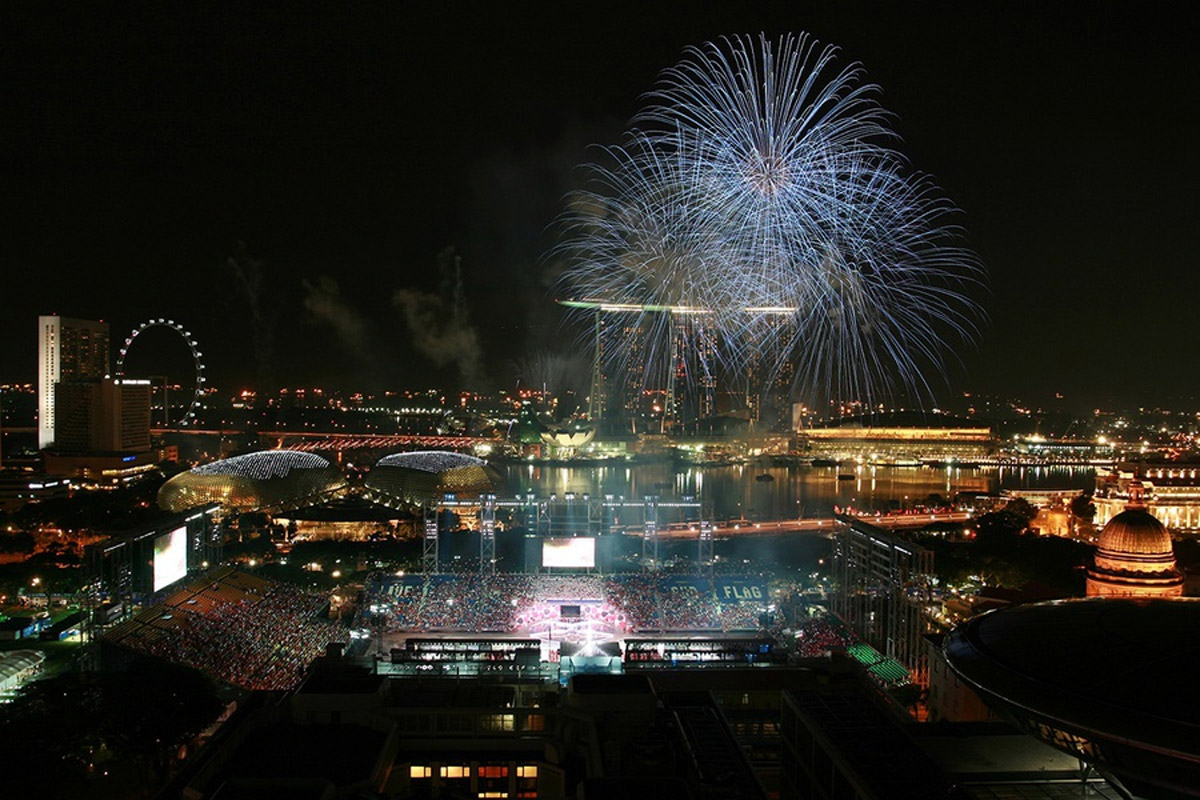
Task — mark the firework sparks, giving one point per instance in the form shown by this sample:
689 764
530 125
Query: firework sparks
760 191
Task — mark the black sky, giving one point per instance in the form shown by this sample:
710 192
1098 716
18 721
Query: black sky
350 144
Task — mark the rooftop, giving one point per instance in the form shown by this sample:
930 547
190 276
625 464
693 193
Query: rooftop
430 461
263 465
1109 672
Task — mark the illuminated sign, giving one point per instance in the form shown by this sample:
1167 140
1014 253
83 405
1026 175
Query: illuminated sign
170 557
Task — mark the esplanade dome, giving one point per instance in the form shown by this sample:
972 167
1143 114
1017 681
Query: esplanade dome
413 479
1135 557
253 482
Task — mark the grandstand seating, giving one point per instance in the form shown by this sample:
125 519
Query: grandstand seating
508 603
825 634
236 627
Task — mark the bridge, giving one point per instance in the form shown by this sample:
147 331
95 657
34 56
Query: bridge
822 526
322 441
312 442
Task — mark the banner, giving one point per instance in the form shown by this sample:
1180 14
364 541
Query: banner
741 590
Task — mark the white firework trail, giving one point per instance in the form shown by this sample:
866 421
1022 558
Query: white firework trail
761 192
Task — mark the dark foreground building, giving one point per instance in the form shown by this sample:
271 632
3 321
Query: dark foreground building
820 729
1107 680
346 733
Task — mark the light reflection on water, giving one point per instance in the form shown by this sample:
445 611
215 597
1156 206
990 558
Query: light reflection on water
809 491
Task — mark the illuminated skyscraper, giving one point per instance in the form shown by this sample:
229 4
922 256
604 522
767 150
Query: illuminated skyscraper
68 350
693 385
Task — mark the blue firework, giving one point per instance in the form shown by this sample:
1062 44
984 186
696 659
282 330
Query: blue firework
761 191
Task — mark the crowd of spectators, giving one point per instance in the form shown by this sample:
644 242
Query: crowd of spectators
684 606
637 596
512 602
821 636
568 587
482 603
254 634
739 616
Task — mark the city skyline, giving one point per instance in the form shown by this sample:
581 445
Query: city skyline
347 163
767 400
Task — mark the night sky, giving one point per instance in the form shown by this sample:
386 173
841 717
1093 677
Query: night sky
272 179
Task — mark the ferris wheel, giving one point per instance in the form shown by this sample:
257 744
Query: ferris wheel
198 393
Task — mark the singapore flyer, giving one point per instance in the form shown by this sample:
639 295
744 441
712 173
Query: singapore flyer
198 366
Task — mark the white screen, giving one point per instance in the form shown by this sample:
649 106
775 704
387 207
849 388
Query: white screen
170 557
569 553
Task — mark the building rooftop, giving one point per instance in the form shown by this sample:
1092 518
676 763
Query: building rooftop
430 461
882 760
1135 531
1105 678
264 465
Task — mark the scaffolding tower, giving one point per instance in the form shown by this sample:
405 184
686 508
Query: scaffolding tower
429 549
704 557
564 516
650 534
487 535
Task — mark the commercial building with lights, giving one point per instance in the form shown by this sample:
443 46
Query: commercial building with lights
899 436
347 733
1171 492
102 416
639 385
18 488
68 350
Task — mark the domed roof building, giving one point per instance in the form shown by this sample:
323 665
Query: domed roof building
1134 557
416 478
270 479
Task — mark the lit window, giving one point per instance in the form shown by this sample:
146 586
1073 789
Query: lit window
493 772
493 794
497 722
527 771
419 772
455 772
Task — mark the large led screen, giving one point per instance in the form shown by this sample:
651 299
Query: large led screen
579 553
170 557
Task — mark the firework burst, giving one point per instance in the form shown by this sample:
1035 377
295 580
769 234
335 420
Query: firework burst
760 191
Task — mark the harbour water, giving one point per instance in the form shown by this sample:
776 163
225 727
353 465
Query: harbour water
766 492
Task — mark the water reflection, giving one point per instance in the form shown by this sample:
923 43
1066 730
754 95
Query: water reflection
785 492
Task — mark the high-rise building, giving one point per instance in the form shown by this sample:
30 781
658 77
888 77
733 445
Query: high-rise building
68 350
106 416
884 582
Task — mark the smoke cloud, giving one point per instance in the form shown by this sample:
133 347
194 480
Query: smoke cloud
440 324
323 299
249 279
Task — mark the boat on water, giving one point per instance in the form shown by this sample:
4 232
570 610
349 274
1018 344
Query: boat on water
764 478
845 476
